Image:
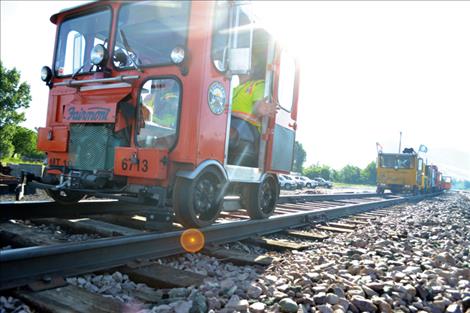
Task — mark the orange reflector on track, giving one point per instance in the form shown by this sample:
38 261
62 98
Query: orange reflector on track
192 240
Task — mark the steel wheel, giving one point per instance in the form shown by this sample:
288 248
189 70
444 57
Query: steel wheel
259 200
197 203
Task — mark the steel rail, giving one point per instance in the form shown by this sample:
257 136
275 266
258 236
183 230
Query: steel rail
24 265
44 209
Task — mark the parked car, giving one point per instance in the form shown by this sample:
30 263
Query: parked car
286 182
323 182
309 183
300 182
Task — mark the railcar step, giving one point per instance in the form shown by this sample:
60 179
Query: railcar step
162 276
279 244
336 229
70 299
306 235
239 257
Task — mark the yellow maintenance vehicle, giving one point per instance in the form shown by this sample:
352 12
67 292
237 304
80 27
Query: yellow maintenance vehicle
400 172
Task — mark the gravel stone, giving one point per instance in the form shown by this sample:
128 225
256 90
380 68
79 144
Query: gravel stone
288 305
363 305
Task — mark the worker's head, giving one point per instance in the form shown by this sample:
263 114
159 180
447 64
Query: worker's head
258 66
258 62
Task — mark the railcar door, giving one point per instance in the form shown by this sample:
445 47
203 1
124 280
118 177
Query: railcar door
280 148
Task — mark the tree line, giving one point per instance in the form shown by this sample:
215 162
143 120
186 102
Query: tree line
15 141
350 174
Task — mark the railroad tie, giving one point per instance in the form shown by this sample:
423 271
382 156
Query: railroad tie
23 236
162 276
279 244
343 225
358 222
91 226
306 235
336 229
239 257
69 299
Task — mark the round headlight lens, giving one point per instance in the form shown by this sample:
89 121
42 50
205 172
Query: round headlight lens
46 73
98 54
177 55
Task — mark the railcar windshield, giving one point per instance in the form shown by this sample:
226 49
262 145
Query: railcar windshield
77 37
396 161
148 32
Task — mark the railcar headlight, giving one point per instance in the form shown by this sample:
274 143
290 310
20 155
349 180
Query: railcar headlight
177 55
98 55
46 74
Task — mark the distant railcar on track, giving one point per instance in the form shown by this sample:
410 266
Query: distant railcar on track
406 172
399 172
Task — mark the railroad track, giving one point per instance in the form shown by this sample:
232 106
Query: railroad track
45 264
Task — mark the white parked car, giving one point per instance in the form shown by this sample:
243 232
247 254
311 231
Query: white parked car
300 182
286 182
309 183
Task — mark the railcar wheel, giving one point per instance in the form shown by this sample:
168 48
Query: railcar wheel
259 200
197 203
65 197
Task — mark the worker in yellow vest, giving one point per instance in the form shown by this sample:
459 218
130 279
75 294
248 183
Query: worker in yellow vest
248 102
248 107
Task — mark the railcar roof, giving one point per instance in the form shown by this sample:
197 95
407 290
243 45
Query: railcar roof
409 154
53 18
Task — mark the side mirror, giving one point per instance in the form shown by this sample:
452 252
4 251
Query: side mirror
240 61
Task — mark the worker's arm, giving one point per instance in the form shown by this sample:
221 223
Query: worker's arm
264 108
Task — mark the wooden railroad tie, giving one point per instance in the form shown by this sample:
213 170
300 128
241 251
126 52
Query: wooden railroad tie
343 225
361 217
162 276
336 229
357 222
91 226
69 299
279 244
24 236
239 257
306 235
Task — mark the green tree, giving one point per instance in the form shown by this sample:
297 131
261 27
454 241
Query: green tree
14 96
350 174
319 171
299 157
24 142
369 174
6 136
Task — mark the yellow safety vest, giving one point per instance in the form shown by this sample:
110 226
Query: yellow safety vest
244 99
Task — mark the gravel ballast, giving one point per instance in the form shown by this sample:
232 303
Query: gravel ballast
414 259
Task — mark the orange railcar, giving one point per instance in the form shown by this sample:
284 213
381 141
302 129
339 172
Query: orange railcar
140 108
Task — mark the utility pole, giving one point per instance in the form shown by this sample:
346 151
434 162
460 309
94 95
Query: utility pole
399 145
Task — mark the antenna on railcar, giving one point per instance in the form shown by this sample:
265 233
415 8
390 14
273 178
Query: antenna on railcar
399 145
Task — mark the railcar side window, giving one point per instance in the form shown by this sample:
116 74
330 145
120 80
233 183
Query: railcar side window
220 39
286 81
160 100
77 37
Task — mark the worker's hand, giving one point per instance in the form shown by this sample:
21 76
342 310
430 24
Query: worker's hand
265 108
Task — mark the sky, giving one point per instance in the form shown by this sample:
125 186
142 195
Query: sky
369 70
